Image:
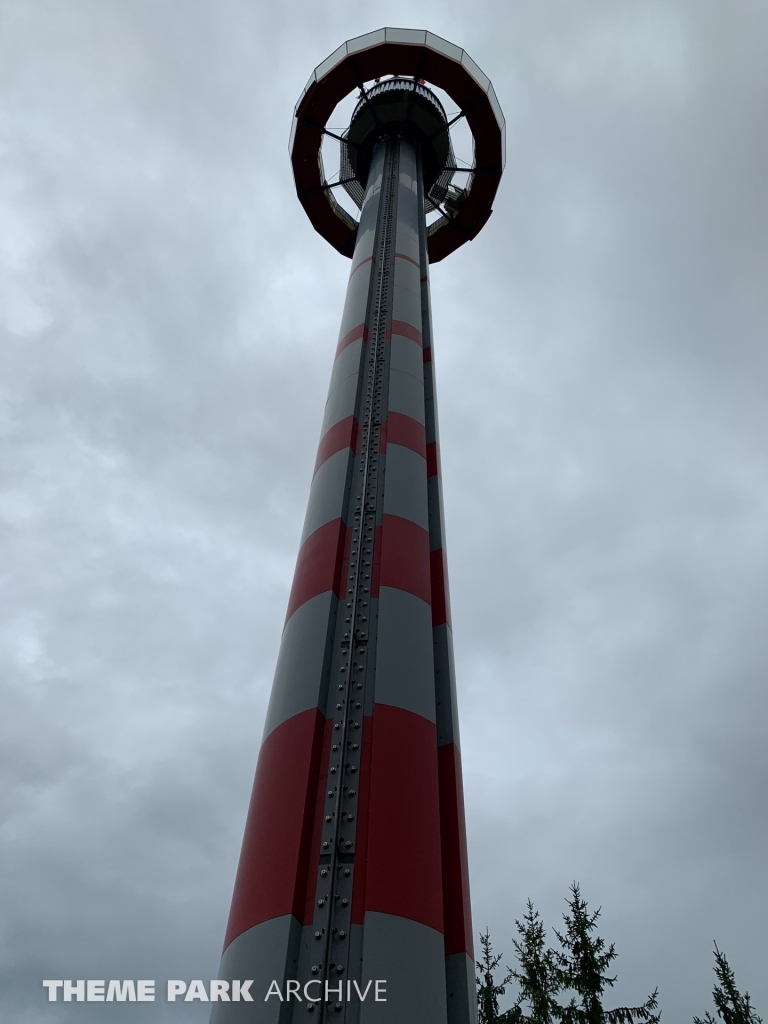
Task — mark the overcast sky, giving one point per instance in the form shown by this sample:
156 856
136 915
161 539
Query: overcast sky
168 322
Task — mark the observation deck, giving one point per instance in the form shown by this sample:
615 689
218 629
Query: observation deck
392 70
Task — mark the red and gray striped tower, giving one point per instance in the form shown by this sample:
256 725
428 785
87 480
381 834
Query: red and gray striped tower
354 864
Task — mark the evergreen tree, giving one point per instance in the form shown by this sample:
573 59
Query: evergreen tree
582 964
538 978
488 991
732 1007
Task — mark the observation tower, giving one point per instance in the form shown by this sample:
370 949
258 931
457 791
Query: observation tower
354 865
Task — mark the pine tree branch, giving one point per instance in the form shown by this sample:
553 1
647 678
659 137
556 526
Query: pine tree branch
732 1007
629 1014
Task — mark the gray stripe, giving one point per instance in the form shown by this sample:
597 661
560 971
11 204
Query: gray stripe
406 304
407 159
407 356
264 953
445 686
407 204
433 430
410 957
341 402
404 657
356 302
346 364
300 676
366 234
355 960
405 490
310 954
366 229
407 178
460 982
375 175
326 495
408 243
436 518
406 393
408 276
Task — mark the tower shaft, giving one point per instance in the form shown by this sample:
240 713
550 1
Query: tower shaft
354 867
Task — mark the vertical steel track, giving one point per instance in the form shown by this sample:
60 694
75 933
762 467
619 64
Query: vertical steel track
356 632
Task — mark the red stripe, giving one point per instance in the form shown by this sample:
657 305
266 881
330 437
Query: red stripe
344 434
319 566
272 874
433 459
428 354
408 432
453 834
403 874
361 331
441 605
402 256
405 557
406 331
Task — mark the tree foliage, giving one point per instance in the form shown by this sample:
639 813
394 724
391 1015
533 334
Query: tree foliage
732 1007
578 969
582 963
537 976
488 991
